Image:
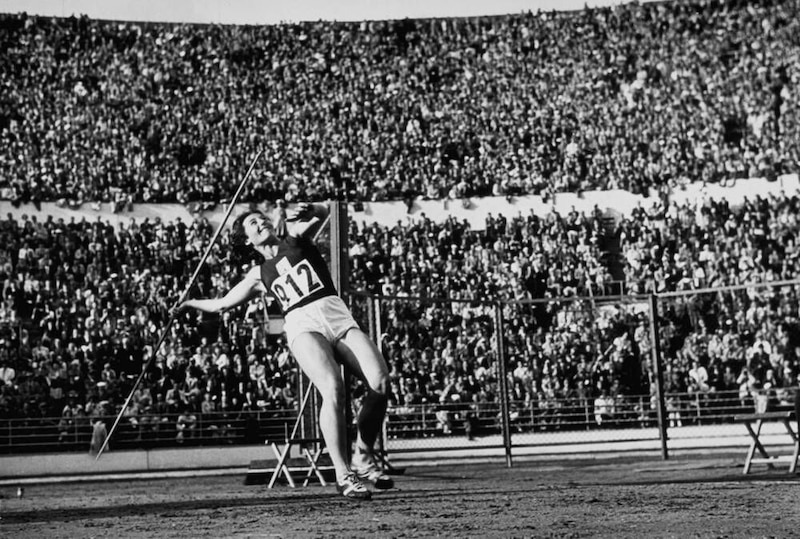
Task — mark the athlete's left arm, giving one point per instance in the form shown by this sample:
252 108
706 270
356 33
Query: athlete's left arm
243 291
305 219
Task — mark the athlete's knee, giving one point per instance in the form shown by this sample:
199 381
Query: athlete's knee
332 391
377 396
380 385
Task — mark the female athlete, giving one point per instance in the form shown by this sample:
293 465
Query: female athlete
320 330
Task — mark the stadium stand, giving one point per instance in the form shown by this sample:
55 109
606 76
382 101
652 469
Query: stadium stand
80 288
641 97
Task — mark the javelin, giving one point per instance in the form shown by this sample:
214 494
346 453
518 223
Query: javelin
165 332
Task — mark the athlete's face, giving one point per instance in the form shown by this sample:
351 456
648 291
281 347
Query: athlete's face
258 229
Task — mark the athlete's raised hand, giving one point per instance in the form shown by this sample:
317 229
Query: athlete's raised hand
301 212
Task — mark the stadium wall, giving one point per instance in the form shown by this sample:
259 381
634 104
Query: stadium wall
135 461
615 201
475 212
725 439
261 12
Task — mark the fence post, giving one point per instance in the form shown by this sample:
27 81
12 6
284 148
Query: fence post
501 368
658 375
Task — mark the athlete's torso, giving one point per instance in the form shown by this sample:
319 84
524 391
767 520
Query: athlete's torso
298 274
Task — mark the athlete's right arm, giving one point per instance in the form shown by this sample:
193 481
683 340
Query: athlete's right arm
241 293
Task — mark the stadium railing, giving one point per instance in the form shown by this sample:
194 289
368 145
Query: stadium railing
563 414
146 431
418 423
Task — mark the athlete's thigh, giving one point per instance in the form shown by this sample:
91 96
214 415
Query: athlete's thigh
363 358
315 356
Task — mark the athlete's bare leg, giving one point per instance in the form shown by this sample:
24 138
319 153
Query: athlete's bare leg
363 358
314 354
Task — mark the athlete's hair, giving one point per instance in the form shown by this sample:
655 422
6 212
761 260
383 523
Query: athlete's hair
238 236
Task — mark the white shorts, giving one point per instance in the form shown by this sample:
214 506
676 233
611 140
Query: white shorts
328 316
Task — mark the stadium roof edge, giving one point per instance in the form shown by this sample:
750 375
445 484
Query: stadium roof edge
261 12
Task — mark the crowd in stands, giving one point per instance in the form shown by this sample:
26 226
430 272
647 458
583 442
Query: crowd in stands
84 302
746 341
638 96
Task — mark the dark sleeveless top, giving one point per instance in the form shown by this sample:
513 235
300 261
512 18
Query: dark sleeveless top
297 275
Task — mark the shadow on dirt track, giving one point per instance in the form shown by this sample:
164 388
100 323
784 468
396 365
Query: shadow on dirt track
313 497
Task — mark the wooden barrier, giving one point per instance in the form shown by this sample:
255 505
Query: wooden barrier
785 417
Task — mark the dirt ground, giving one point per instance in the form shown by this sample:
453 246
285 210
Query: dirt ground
645 497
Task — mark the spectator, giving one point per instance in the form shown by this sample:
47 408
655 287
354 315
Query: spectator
604 408
699 378
186 425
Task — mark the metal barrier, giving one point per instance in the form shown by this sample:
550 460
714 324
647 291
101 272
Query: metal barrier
417 427
563 415
146 431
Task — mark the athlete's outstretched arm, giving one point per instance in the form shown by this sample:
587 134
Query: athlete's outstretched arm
305 219
242 292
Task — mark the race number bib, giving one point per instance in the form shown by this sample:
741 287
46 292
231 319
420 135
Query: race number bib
296 284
